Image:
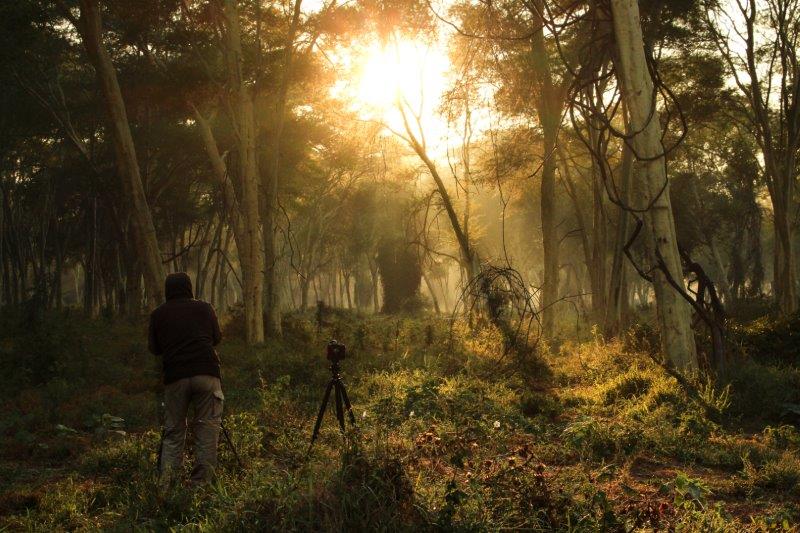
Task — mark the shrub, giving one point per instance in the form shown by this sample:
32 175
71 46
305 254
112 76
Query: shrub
761 392
602 439
771 339
625 386
534 404
779 472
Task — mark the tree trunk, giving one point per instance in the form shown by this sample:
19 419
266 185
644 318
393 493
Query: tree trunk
785 282
6 279
434 299
636 84
347 279
549 110
242 211
273 300
469 257
618 290
90 265
572 192
144 233
252 260
133 289
373 270
597 271
304 283
203 266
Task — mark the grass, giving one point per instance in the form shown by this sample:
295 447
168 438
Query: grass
453 435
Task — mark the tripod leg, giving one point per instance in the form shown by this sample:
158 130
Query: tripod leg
339 410
347 404
321 413
228 440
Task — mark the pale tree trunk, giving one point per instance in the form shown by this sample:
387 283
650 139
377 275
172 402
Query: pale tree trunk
243 235
572 192
618 290
144 233
636 83
252 260
242 210
719 266
594 248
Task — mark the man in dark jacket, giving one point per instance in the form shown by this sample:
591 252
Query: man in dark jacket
184 331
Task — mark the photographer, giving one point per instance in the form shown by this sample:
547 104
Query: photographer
184 331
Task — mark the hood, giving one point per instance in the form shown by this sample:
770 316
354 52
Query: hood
178 285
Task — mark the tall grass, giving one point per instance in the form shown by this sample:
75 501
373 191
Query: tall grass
453 434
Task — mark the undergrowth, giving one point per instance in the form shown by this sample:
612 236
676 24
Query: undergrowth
454 434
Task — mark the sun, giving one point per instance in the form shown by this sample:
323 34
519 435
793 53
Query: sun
409 69
400 72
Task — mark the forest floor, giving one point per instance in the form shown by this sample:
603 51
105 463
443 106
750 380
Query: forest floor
452 435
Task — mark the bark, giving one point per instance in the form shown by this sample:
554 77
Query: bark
144 233
593 248
242 211
784 269
720 278
548 105
618 290
204 266
677 338
597 271
252 261
304 284
222 269
346 287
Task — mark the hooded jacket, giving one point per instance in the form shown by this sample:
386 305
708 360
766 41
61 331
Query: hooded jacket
184 331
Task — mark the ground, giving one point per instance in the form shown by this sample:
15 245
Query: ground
454 433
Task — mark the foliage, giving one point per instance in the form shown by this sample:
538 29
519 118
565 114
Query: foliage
775 339
606 440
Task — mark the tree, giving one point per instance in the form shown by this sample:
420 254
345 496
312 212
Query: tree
89 27
549 105
758 40
638 93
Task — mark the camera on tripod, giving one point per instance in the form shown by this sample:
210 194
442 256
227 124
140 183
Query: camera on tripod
336 351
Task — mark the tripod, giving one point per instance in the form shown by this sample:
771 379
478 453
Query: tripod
340 397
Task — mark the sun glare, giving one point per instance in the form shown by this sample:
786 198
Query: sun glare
416 73
414 70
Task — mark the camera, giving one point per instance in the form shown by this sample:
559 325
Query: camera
336 351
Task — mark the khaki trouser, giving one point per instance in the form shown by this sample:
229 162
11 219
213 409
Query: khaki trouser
205 394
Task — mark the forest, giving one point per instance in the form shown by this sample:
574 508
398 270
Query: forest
558 239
